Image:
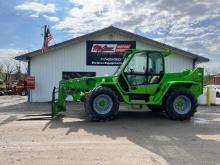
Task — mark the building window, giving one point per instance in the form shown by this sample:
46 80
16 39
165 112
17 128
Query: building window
71 75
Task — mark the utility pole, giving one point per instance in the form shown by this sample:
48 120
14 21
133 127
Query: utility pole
44 35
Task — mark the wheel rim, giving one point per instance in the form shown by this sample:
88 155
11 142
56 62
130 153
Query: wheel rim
182 104
102 104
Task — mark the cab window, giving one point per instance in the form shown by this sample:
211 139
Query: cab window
135 71
155 67
138 64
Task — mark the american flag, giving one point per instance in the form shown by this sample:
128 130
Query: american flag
47 38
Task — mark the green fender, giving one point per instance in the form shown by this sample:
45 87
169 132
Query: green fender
195 87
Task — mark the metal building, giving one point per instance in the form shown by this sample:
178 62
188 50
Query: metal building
76 57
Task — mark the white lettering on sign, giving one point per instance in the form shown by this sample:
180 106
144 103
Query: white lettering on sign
110 48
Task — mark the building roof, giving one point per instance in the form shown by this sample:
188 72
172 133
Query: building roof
113 29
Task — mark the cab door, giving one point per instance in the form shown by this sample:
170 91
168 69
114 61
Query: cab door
143 75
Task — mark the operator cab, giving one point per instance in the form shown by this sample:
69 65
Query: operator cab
145 68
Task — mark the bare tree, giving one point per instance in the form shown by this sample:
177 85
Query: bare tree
24 67
1 71
18 73
1 68
9 70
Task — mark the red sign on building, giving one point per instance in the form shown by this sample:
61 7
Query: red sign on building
109 53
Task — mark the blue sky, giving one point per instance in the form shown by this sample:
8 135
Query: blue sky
192 25
20 30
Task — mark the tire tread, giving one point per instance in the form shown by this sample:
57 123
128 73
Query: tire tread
92 115
168 104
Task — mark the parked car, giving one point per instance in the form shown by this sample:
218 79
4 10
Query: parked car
2 93
217 89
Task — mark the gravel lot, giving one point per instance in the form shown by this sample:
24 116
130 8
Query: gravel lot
135 137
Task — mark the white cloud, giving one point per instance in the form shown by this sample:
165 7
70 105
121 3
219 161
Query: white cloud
36 8
7 57
51 19
85 19
143 15
190 24
11 53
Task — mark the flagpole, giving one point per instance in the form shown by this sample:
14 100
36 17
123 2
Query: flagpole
45 31
44 37
47 38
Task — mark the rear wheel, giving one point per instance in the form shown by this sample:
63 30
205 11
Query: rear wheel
180 104
155 108
101 104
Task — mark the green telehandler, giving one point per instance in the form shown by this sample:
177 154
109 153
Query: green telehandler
140 80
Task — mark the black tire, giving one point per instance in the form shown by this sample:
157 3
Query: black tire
110 106
155 108
24 93
84 103
189 104
1 93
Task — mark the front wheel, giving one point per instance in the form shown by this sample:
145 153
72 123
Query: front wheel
180 104
101 104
